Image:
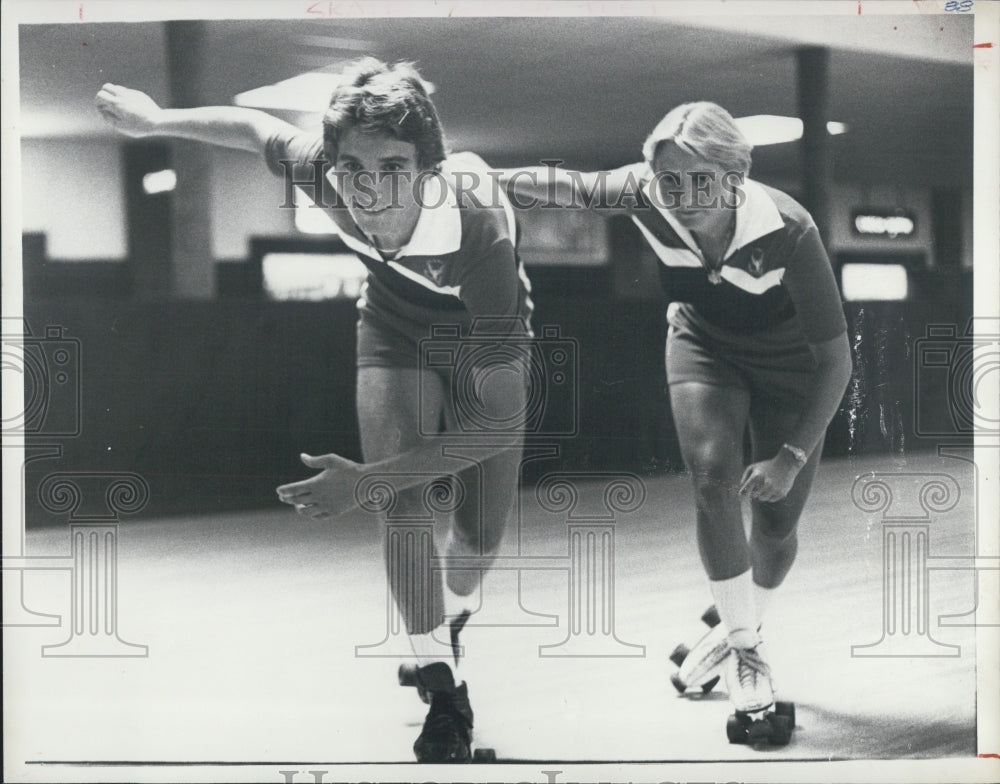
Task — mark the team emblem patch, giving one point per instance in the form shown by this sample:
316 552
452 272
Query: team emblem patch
434 269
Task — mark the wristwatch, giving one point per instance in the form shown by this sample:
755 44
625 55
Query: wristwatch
799 454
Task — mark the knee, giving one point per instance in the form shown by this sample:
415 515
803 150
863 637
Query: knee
713 471
774 534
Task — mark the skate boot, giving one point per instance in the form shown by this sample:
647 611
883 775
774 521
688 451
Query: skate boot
748 679
447 732
701 665
758 720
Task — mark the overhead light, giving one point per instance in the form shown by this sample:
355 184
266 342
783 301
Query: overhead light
159 181
343 44
308 92
870 282
764 129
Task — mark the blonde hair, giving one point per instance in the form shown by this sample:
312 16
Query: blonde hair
704 129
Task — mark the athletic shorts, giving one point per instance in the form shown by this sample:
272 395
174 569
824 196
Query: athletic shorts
773 364
388 341
393 339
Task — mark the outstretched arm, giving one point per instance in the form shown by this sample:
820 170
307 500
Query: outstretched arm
135 114
599 190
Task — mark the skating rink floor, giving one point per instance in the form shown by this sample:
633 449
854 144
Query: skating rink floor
251 622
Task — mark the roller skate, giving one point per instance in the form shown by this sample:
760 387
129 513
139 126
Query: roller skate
700 666
757 720
447 731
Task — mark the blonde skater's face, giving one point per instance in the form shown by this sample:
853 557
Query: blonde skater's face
699 193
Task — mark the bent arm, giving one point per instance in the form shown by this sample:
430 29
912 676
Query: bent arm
498 382
833 371
813 289
135 114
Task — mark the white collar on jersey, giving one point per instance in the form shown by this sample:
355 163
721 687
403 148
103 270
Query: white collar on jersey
756 216
438 230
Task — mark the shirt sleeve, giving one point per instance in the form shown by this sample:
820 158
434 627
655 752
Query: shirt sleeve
301 155
813 288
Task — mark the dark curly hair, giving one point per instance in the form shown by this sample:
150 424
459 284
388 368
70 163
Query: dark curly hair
374 96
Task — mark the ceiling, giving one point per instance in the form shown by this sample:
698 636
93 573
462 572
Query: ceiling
584 89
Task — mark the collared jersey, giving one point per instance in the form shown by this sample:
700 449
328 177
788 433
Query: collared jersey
774 269
460 262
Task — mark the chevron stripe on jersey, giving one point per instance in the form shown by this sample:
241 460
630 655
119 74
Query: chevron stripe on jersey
774 269
675 247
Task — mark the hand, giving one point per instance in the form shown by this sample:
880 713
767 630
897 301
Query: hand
328 494
770 480
130 112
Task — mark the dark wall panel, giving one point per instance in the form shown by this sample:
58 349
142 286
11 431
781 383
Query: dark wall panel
213 401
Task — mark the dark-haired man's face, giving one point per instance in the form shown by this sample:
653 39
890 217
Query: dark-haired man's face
375 174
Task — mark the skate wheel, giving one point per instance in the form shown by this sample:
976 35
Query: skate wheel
678 683
760 732
711 617
737 728
484 755
781 729
680 654
786 709
407 675
707 686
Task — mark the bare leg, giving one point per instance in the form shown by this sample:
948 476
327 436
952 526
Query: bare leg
491 488
389 417
711 421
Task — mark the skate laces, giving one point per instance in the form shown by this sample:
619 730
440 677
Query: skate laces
749 666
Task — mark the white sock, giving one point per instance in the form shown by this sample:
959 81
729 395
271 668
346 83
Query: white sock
734 599
430 650
762 599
